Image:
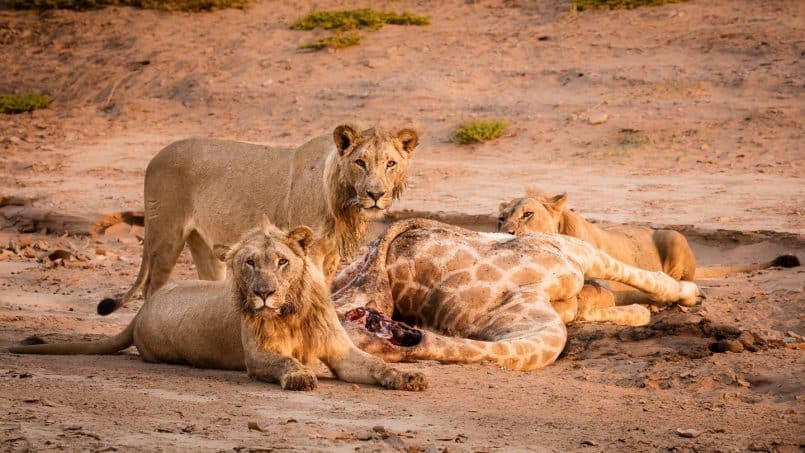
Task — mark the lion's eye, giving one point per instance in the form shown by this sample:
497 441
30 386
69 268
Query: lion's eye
250 262
391 164
360 163
282 262
527 214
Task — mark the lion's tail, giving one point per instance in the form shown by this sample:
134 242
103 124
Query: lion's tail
720 271
109 345
110 304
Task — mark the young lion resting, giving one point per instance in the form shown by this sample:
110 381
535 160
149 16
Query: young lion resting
646 248
273 317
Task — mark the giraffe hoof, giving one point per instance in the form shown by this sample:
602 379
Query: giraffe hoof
690 295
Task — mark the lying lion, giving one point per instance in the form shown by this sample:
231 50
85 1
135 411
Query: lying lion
273 317
654 250
204 192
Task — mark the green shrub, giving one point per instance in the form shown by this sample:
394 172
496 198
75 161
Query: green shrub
356 18
479 131
336 41
581 5
166 5
187 5
23 103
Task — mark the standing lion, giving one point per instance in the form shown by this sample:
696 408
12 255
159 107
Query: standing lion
204 192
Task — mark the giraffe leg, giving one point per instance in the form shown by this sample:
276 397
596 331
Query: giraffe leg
523 334
659 286
597 304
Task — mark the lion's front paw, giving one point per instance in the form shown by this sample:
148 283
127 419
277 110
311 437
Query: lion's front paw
690 294
299 380
403 380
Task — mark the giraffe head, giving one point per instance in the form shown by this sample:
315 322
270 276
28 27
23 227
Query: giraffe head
535 212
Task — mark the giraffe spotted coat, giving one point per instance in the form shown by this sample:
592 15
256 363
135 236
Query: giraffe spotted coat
484 296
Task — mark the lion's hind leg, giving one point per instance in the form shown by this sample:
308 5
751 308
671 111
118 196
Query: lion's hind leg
209 267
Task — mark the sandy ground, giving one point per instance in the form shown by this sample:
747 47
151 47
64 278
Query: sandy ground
705 123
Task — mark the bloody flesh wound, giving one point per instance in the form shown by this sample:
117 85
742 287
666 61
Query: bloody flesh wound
396 332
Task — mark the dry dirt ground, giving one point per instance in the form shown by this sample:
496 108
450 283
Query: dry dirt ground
705 109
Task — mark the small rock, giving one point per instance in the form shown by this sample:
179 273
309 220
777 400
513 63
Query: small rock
60 254
368 435
598 118
590 443
356 387
727 345
254 426
432 448
380 429
100 251
395 442
689 432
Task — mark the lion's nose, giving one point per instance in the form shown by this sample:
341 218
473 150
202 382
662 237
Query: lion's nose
375 195
263 292
511 232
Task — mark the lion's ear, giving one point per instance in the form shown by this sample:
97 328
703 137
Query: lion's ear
301 236
504 205
409 139
266 225
534 192
221 251
558 202
344 137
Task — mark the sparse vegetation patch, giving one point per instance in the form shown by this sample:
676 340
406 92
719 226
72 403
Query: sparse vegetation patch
632 138
581 5
479 131
23 103
165 5
335 41
357 18
346 22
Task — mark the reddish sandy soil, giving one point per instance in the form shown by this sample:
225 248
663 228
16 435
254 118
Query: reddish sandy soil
705 109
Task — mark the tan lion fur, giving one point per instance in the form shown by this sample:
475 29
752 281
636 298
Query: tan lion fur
204 192
643 247
272 317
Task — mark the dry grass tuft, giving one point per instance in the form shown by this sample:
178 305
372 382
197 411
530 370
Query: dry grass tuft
581 5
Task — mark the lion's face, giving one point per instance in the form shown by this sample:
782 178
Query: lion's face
374 165
266 265
529 215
